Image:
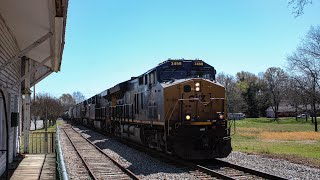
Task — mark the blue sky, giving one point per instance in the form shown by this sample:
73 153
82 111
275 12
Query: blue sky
109 41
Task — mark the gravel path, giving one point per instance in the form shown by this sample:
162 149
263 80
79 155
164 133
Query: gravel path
139 163
74 165
277 167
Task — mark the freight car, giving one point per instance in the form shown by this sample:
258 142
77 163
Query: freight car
176 107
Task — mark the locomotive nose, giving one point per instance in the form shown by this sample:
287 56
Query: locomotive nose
201 101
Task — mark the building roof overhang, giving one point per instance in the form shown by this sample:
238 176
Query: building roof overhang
38 28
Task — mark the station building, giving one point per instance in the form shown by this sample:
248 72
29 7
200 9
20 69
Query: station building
32 38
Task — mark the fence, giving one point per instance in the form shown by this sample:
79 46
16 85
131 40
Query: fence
41 142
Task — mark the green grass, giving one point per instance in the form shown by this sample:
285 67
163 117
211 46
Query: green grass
248 139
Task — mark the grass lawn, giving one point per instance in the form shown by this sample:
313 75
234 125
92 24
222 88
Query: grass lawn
289 139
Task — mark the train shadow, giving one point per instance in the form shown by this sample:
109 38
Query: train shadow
136 161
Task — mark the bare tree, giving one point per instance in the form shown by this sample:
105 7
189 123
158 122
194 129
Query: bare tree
46 107
298 6
78 97
67 101
276 80
295 96
304 64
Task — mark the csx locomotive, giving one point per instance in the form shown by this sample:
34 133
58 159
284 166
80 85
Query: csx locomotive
176 107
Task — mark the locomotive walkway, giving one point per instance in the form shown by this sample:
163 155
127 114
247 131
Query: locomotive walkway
36 166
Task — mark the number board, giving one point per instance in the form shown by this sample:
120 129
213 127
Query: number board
198 63
176 63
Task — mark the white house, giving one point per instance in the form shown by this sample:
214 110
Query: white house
32 37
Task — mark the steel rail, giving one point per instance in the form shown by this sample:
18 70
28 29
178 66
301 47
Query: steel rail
81 157
127 171
248 170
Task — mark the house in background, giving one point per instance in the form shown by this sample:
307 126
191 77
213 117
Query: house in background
32 37
287 110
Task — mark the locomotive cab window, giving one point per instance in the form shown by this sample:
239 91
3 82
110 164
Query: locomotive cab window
145 79
141 80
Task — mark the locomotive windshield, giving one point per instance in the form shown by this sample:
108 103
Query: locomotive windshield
185 69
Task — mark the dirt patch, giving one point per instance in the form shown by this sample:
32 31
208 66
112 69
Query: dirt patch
247 134
291 136
249 130
287 141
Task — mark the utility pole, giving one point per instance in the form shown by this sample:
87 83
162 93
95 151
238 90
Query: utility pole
314 105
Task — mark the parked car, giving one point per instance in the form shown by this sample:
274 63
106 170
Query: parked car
236 116
302 116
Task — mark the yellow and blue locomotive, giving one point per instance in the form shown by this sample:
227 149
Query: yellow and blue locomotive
176 107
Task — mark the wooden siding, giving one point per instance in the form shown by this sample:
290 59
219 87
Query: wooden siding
8 78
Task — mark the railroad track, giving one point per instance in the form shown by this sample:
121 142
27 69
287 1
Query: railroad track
213 169
98 164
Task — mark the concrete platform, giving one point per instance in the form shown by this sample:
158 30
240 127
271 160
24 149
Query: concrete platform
36 166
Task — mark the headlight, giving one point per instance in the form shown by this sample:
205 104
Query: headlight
188 117
197 86
221 116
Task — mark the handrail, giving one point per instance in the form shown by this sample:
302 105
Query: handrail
60 160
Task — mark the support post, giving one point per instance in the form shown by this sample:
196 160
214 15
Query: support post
32 70
26 108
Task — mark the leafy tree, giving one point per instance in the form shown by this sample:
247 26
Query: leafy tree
235 102
249 88
263 97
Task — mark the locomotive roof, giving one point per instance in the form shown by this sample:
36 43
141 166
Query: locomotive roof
184 63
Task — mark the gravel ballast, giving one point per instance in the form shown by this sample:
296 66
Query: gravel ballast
141 164
73 163
278 167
